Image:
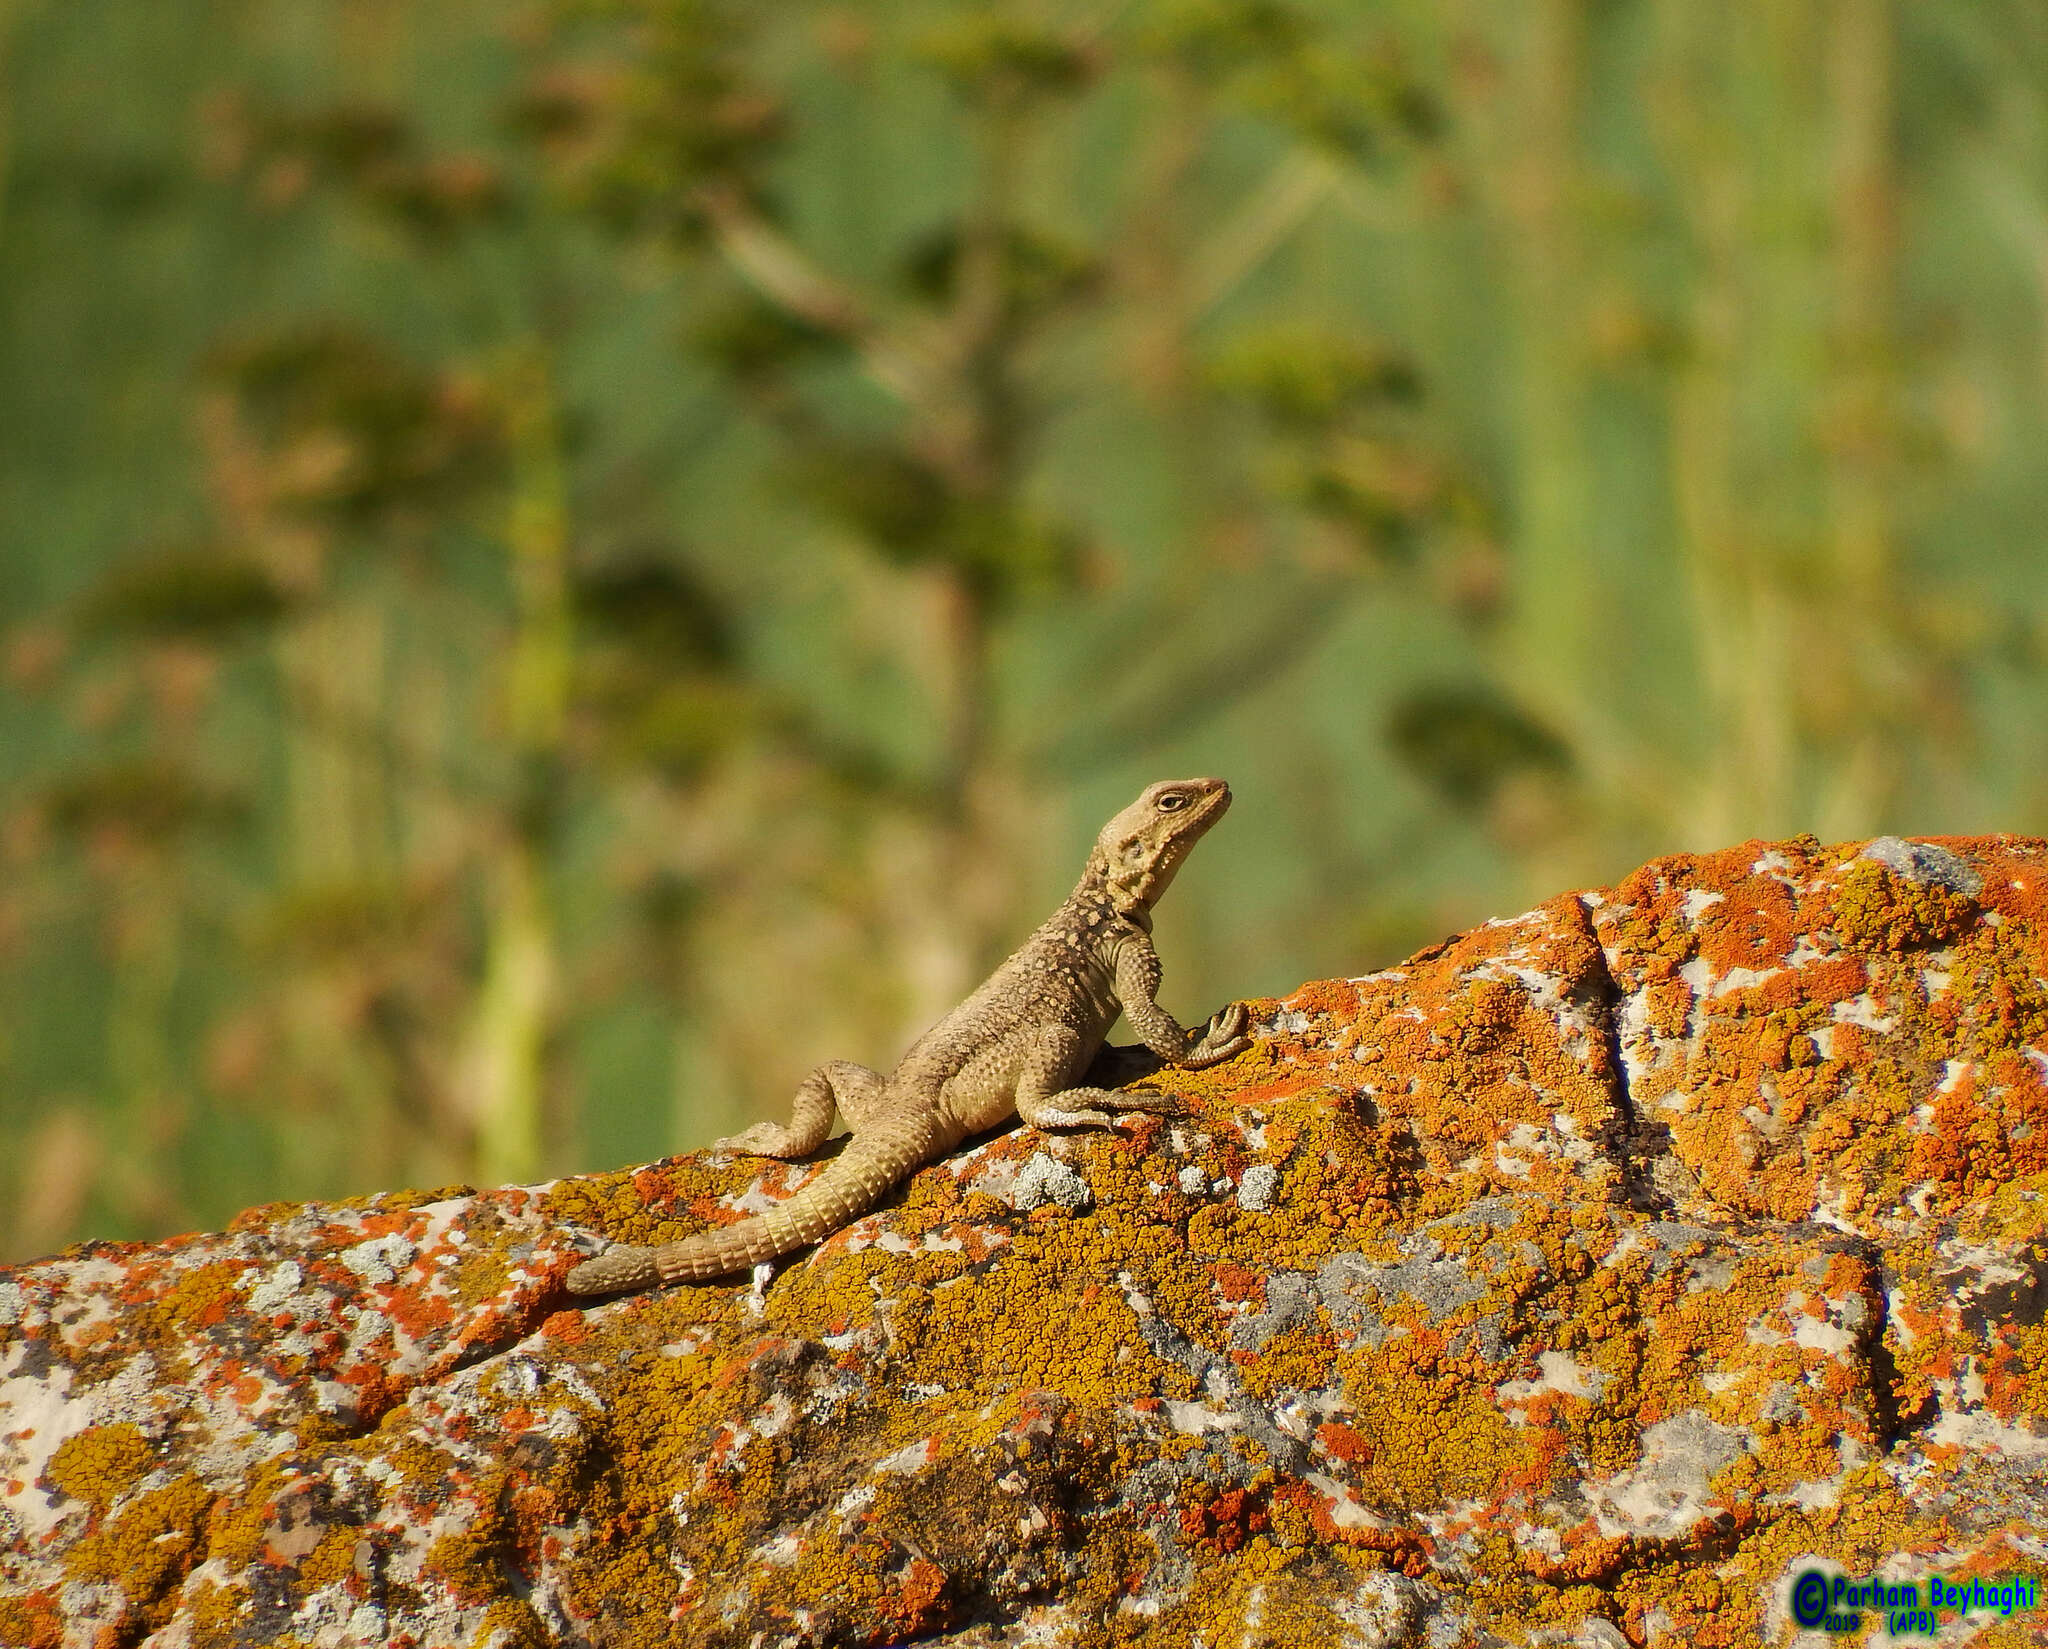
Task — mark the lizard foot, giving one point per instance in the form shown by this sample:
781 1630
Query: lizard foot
1144 1100
1223 1037
1096 1107
764 1139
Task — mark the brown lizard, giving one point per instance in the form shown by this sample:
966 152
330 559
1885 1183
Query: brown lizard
1013 1048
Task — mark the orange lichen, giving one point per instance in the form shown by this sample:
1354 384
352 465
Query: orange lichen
32 1621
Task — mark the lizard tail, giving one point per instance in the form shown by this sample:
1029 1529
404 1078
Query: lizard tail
854 1181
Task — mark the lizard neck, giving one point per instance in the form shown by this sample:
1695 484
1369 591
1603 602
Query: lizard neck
1100 888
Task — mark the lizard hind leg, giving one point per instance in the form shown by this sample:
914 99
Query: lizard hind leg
1044 1101
1093 1107
1147 1100
810 1115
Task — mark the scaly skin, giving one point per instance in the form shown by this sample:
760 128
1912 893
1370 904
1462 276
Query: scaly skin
1012 1049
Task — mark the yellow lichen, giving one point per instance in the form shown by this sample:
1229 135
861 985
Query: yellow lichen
100 1464
31 1624
1877 910
148 1548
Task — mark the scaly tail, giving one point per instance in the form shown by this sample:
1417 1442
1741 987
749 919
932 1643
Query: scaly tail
854 1181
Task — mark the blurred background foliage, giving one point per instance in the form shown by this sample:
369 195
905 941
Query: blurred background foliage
564 561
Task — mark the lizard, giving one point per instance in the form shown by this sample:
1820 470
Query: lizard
1016 1047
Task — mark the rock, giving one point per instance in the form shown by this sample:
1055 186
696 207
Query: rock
1588 1279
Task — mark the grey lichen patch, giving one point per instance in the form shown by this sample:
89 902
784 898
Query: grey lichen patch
1290 1303
1350 1286
1046 1179
1924 862
1255 1190
381 1259
1667 1491
273 1290
1439 1283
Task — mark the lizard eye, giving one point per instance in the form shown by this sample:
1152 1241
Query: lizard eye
1172 802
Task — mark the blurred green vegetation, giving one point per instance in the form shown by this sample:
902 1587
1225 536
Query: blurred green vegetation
564 561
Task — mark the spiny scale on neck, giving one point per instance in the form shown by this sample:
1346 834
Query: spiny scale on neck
1096 903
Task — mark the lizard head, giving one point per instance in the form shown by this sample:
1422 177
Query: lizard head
1140 849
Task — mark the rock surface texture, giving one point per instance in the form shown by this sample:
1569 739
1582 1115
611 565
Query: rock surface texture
1585 1279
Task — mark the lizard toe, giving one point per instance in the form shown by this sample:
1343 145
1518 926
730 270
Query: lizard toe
1148 1101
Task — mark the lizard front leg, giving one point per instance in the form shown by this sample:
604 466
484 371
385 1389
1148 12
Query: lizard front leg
1137 988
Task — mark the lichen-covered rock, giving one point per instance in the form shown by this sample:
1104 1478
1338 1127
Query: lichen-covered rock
1587 1279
